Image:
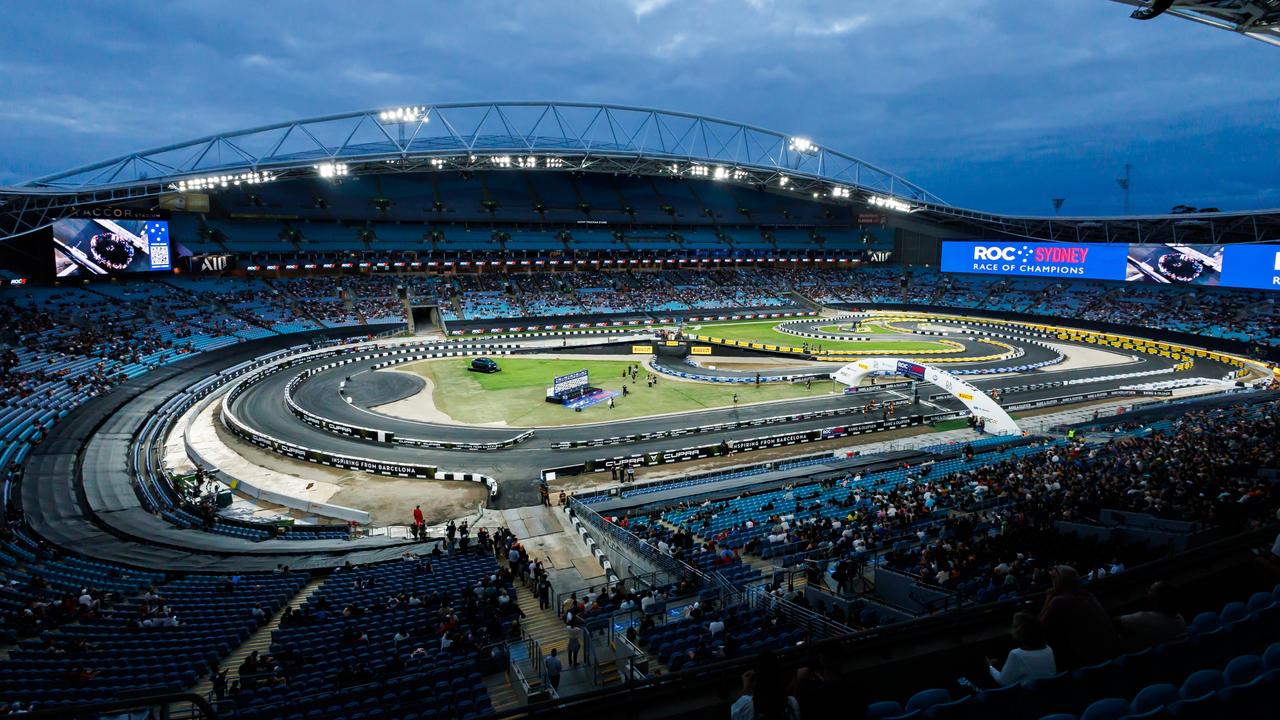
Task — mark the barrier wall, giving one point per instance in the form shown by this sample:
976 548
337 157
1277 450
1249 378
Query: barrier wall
348 462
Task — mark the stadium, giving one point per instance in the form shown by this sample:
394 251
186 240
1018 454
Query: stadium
515 409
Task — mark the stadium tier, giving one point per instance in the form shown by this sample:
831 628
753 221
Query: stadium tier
275 440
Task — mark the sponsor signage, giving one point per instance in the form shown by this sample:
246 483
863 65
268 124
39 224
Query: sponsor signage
211 263
1241 266
1251 266
910 369
1072 260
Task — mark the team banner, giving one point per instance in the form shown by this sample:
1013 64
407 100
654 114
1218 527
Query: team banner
1239 266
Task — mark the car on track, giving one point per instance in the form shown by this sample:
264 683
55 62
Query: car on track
484 365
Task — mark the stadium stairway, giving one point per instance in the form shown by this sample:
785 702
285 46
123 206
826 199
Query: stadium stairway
260 640
542 626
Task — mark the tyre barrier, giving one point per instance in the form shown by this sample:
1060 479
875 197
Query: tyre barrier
384 436
730 447
235 426
721 427
1085 397
790 328
146 466
603 326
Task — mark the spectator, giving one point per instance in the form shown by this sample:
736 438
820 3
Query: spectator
554 668
1159 624
1032 658
764 696
1075 622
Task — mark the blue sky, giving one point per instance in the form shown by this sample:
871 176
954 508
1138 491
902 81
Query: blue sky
992 104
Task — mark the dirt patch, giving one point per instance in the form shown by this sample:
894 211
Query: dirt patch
391 500
388 500
419 406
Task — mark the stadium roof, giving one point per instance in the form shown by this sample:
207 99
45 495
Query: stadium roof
565 136
1258 19
462 133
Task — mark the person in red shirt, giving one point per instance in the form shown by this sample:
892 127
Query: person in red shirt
418 522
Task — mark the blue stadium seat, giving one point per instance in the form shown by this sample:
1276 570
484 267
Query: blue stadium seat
883 709
1201 683
1271 657
1153 697
1106 709
1259 600
1242 670
926 699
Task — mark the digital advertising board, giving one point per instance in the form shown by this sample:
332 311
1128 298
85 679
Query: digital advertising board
103 247
1030 259
1255 266
1251 266
1173 264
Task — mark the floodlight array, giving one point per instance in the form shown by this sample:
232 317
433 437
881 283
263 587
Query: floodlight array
214 182
403 114
331 169
804 146
889 203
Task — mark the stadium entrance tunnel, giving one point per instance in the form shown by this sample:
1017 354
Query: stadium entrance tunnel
996 420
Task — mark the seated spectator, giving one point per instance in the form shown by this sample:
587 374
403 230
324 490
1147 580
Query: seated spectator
1159 624
764 694
1075 622
1032 658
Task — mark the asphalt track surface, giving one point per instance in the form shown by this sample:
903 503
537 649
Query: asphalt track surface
517 468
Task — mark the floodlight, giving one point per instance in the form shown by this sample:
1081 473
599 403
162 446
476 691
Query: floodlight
804 146
889 203
403 114
210 182
331 170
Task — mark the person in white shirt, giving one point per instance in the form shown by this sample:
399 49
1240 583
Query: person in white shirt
1033 658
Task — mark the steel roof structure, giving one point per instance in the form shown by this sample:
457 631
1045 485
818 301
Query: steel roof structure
1257 19
493 137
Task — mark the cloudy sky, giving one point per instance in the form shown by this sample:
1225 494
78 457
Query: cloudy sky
992 104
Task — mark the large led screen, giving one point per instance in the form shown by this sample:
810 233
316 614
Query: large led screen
99 247
1238 266
1030 259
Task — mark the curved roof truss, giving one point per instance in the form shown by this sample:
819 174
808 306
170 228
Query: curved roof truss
462 133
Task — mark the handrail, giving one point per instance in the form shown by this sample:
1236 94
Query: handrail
627 540
93 709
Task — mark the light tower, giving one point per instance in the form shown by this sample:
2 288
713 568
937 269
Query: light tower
1124 185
